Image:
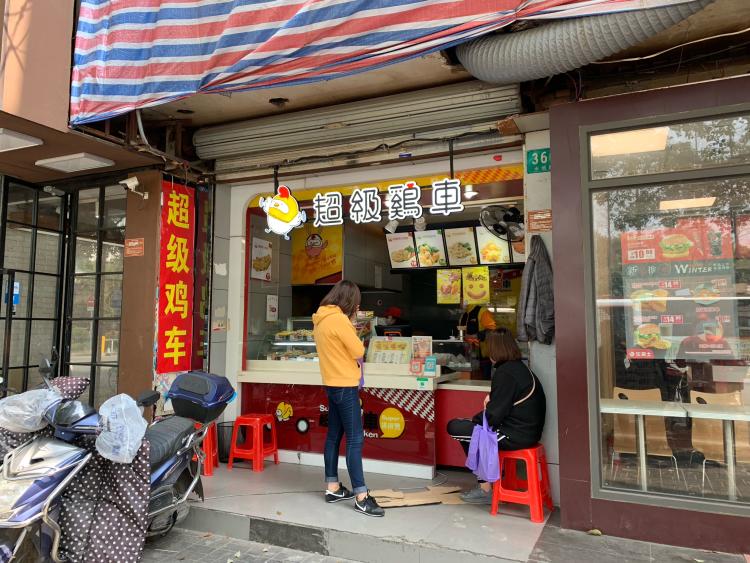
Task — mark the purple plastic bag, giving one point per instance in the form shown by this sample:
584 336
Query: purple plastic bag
482 459
361 362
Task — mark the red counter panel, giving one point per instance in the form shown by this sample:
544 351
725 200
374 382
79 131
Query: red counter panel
450 404
399 424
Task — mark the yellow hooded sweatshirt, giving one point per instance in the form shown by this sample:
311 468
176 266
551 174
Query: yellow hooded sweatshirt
338 347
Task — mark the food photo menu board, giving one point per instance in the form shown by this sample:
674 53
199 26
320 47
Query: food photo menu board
492 249
401 250
680 282
462 246
430 248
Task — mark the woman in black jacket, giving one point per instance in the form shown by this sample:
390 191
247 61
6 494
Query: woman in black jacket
515 407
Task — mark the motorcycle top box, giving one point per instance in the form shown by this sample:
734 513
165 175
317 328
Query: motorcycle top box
200 396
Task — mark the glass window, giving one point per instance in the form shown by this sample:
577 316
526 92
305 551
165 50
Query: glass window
113 241
671 273
81 335
86 248
105 384
115 203
20 204
110 298
691 145
87 219
45 296
108 351
18 247
84 290
49 211
47 252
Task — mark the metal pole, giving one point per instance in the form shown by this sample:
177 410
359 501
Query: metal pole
450 156
8 328
275 179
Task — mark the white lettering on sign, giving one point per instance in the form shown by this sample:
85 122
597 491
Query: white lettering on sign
365 206
641 254
446 197
329 209
404 201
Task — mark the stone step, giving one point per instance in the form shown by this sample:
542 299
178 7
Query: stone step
325 541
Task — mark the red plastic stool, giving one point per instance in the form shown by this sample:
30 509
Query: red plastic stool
254 448
210 447
537 493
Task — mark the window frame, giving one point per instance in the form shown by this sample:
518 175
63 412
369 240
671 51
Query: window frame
590 186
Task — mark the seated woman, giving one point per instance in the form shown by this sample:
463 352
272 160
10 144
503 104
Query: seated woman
515 407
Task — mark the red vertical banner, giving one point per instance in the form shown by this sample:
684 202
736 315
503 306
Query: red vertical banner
200 304
176 260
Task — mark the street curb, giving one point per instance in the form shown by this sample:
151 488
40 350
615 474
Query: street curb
324 541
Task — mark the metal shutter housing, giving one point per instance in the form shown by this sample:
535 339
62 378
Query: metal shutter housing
447 110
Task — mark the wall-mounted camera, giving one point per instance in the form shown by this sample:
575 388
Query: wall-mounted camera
131 184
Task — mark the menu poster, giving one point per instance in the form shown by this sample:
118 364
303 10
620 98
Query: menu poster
492 250
742 226
430 248
449 287
260 259
317 254
462 249
476 285
678 280
421 347
389 350
401 250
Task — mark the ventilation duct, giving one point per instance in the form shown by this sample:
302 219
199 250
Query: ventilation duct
562 46
435 113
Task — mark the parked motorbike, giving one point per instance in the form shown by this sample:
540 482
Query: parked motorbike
34 476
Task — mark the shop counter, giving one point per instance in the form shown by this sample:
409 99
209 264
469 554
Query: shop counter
462 398
398 411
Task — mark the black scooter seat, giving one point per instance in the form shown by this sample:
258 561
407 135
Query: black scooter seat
167 437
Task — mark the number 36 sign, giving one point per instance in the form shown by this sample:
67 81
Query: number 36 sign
537 160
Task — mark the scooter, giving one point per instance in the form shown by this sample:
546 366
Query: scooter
34 475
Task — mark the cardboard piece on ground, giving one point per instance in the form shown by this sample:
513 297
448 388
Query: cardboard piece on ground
431 495
386 493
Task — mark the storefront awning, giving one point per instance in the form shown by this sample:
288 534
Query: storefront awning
136 54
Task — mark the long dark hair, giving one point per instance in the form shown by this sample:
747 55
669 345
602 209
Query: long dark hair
345 295
501 347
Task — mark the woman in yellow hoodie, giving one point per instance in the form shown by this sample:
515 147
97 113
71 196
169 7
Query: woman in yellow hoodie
341 354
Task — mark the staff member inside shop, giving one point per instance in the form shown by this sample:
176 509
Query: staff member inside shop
341 352
515 407
476 321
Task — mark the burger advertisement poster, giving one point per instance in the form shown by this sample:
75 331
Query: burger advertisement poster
677 281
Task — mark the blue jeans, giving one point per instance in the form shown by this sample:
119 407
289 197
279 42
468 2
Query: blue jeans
345 417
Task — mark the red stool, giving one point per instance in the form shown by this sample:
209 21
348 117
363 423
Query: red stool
253 448
537 493
210 447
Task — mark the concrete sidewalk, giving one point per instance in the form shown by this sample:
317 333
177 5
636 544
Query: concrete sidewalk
284 506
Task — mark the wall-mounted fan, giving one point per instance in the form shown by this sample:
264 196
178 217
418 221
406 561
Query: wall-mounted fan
505 223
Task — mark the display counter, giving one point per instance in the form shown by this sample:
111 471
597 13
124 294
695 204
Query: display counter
398 411
462 398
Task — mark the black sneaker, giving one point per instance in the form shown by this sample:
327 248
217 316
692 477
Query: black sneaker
341 494
369 506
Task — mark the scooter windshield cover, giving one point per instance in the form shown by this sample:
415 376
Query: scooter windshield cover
67 414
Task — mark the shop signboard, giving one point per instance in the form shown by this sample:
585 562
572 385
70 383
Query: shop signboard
261 258
317 254
430 248
175 319
449 287
476 285
679 283
401 250
462 246
492 250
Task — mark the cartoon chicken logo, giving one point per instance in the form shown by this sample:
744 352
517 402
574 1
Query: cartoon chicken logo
284 411
283 212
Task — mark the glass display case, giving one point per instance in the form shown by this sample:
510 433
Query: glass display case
295 342
452 355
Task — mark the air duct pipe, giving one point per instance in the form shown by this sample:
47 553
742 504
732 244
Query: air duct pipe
565 45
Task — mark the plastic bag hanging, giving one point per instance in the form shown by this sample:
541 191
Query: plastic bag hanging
25 412
483 459
123 429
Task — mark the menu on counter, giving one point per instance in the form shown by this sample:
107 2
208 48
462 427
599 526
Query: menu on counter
260 259
401 250
449 287
430 248
492 250
462 246
421 347
476 285
681 283
389 350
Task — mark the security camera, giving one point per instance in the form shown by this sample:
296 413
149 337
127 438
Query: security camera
52 190
131 184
